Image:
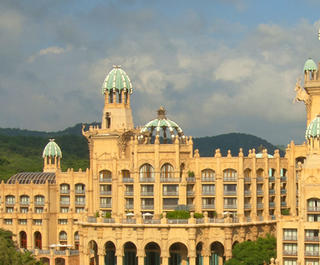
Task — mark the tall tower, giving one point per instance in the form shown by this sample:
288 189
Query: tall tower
117 89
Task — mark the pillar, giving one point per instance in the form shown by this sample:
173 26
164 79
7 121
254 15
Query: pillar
206 260
165 260
192 260
120 259
140 260
101 254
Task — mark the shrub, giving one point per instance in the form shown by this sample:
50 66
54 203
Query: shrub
107 215
285 211
198 215
178 214
190 174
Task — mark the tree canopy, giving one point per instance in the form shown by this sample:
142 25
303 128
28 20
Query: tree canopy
9 253
254 252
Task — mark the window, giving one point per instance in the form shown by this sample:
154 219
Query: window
207 202
105 202
290 234
62 221
24 209
129 203
22 221
9 209
80 200
38 210
170 202
230 189
312 235
39 200
64 188
146 171
170 190
80 188
8 221
10 199
37 221
64 209
312 249
105 175
313 205
230 174
79 210
290 262
208 189
230 203
147 203
63 236
290 249
167 171
24 199
64 200
207 175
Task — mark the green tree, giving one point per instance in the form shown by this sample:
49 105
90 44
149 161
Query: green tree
10 254
254 252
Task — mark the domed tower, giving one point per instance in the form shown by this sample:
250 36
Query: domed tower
117 89
313 136
162 128
51 157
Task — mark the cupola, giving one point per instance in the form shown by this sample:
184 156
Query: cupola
162 128
313 134
51 156
310 68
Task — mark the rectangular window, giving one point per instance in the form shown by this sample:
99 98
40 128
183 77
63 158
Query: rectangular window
39 210
64 210
8 221
37 221
79 210
290 262
62 221
9 209
24 210
208 189
290 234
22 221
290 249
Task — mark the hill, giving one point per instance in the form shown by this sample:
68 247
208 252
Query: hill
21 150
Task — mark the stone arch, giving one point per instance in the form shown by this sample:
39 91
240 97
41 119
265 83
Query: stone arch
45 261
230 174
208 173
37 240
260 172
167 170
130 253
93 252
178 253
105 174
23 239
217 253
313 204
146 170
152 251
110 253
59 261
64 188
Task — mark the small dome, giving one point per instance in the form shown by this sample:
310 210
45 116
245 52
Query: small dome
52 149
310 65
162 127
118 80
313 130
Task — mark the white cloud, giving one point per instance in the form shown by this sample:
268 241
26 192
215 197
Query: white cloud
55 50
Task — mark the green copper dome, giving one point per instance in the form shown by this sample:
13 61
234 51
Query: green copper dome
162 127
117 80
310 65
52 149
313 130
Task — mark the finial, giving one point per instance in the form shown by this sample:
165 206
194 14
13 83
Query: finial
51 140
116 66
161 113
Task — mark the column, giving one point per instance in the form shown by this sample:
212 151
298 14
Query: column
101 254
120 259
165 260
140 260
206 260
192 260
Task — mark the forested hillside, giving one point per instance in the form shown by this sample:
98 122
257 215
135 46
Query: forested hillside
21 150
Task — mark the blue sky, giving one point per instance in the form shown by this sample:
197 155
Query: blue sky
217 66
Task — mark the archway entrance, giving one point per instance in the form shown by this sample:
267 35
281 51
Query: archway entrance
199 258
110 257
60 261
45 261
217 254
37 240
152 254
23 239
93 253
178 254
130 254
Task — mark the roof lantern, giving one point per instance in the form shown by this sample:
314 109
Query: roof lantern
116 81
162 127
52 150
313 130
310 65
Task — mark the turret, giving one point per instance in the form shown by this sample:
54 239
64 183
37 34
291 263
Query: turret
117 89
51 157
313 136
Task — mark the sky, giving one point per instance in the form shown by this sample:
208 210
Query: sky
217 66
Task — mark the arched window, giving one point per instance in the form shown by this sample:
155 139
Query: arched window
63 236
64 188
10 199
39 200
76 240
230 174
80 188
167 171
146 171
24 199
105 176
207 174
23 239
37 240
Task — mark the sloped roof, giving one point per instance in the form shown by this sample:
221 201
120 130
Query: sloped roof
32 177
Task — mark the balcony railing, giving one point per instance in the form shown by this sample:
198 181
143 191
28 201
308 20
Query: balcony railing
290 252
105 205
105 180
208 179
39 203
209 192
247 205
105 192
290 238
311 253
191 179
108 220
80 191
64 191
177 221
92 219
271 204
64 202
146 193
170 193
247 192
283 179
128 193
129 206
208 206
260 205
190 193
171 180
10 203
272 192
259 179
259 192
311 238
230 179
216 220
147 207
44 251
190 206
146 180
128 221
272 179
80 203
151 221
284 204
247 179
24 203
127 180
230 193
283 191
313 209
169 206
63 238
230 206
